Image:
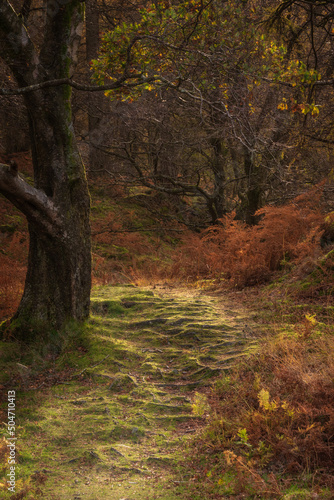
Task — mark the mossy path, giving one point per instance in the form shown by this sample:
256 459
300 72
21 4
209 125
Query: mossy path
116 429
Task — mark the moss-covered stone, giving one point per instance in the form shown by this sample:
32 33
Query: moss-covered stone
122 383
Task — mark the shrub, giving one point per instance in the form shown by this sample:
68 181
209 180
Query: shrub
272 423
248 255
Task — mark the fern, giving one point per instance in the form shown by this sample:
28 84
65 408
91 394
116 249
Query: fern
246 255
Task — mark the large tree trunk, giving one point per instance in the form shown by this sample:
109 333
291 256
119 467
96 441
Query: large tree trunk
58 279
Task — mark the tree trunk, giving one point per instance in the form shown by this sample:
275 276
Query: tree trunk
58 279
218 168
252 199
97 108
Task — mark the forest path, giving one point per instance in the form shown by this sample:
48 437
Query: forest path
152 355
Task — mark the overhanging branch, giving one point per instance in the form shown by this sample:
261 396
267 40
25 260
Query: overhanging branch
33 203
78 86
317 83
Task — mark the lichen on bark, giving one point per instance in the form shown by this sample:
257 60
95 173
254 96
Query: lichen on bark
58 281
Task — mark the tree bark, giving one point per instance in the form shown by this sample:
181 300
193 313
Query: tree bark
218 167
252 199
58 279
97 108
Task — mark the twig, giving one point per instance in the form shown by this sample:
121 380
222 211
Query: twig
137 230
83 371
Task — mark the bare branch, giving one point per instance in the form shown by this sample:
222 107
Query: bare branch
138 230
318 83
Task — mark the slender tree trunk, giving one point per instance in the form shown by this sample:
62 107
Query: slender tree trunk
218 167
252 199
97 107
217 204
256 174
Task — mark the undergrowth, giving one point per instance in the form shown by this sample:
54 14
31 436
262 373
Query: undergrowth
271 424
271 428
13 257
249 255
130 246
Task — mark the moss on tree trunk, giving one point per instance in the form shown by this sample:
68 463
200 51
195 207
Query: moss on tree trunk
57 208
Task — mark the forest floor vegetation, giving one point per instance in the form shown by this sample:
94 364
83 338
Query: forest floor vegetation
205 370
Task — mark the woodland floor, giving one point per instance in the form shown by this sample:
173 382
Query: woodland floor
118 427
141 403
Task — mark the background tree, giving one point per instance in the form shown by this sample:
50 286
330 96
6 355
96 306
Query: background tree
211 56
225 62
306 30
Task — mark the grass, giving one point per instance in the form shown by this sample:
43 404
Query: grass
137 407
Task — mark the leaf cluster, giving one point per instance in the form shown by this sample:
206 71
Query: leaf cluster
189 42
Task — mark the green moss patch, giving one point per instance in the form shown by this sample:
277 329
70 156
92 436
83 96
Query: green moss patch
116 425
